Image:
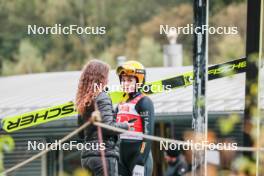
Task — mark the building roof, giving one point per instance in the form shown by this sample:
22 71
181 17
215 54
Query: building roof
25 93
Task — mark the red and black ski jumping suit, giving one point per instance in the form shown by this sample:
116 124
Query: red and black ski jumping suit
135 150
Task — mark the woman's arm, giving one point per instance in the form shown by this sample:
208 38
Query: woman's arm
81 119
104 105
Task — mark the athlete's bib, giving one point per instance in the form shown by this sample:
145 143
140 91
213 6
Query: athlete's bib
127 113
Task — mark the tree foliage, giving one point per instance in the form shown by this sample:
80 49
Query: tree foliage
132 30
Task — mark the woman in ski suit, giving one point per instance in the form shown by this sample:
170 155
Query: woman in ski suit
96 72
135 152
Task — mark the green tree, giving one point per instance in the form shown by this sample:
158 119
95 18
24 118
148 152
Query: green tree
225 47
230 47
150 52
28 60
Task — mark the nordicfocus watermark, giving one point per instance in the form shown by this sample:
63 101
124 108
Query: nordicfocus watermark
138 87
59 29
34 145
191 29
190 145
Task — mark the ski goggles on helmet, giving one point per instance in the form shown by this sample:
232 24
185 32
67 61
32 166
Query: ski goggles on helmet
126 71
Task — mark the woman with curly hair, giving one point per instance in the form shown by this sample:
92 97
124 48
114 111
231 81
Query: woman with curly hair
89 96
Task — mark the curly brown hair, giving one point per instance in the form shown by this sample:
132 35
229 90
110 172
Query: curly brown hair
94 72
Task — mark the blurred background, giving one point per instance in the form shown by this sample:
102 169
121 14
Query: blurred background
132 30
40 71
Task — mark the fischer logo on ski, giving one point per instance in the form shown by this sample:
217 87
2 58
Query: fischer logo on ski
38 117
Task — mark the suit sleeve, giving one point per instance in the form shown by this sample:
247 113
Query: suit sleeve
146 109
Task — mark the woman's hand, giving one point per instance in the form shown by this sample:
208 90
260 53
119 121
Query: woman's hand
130 126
